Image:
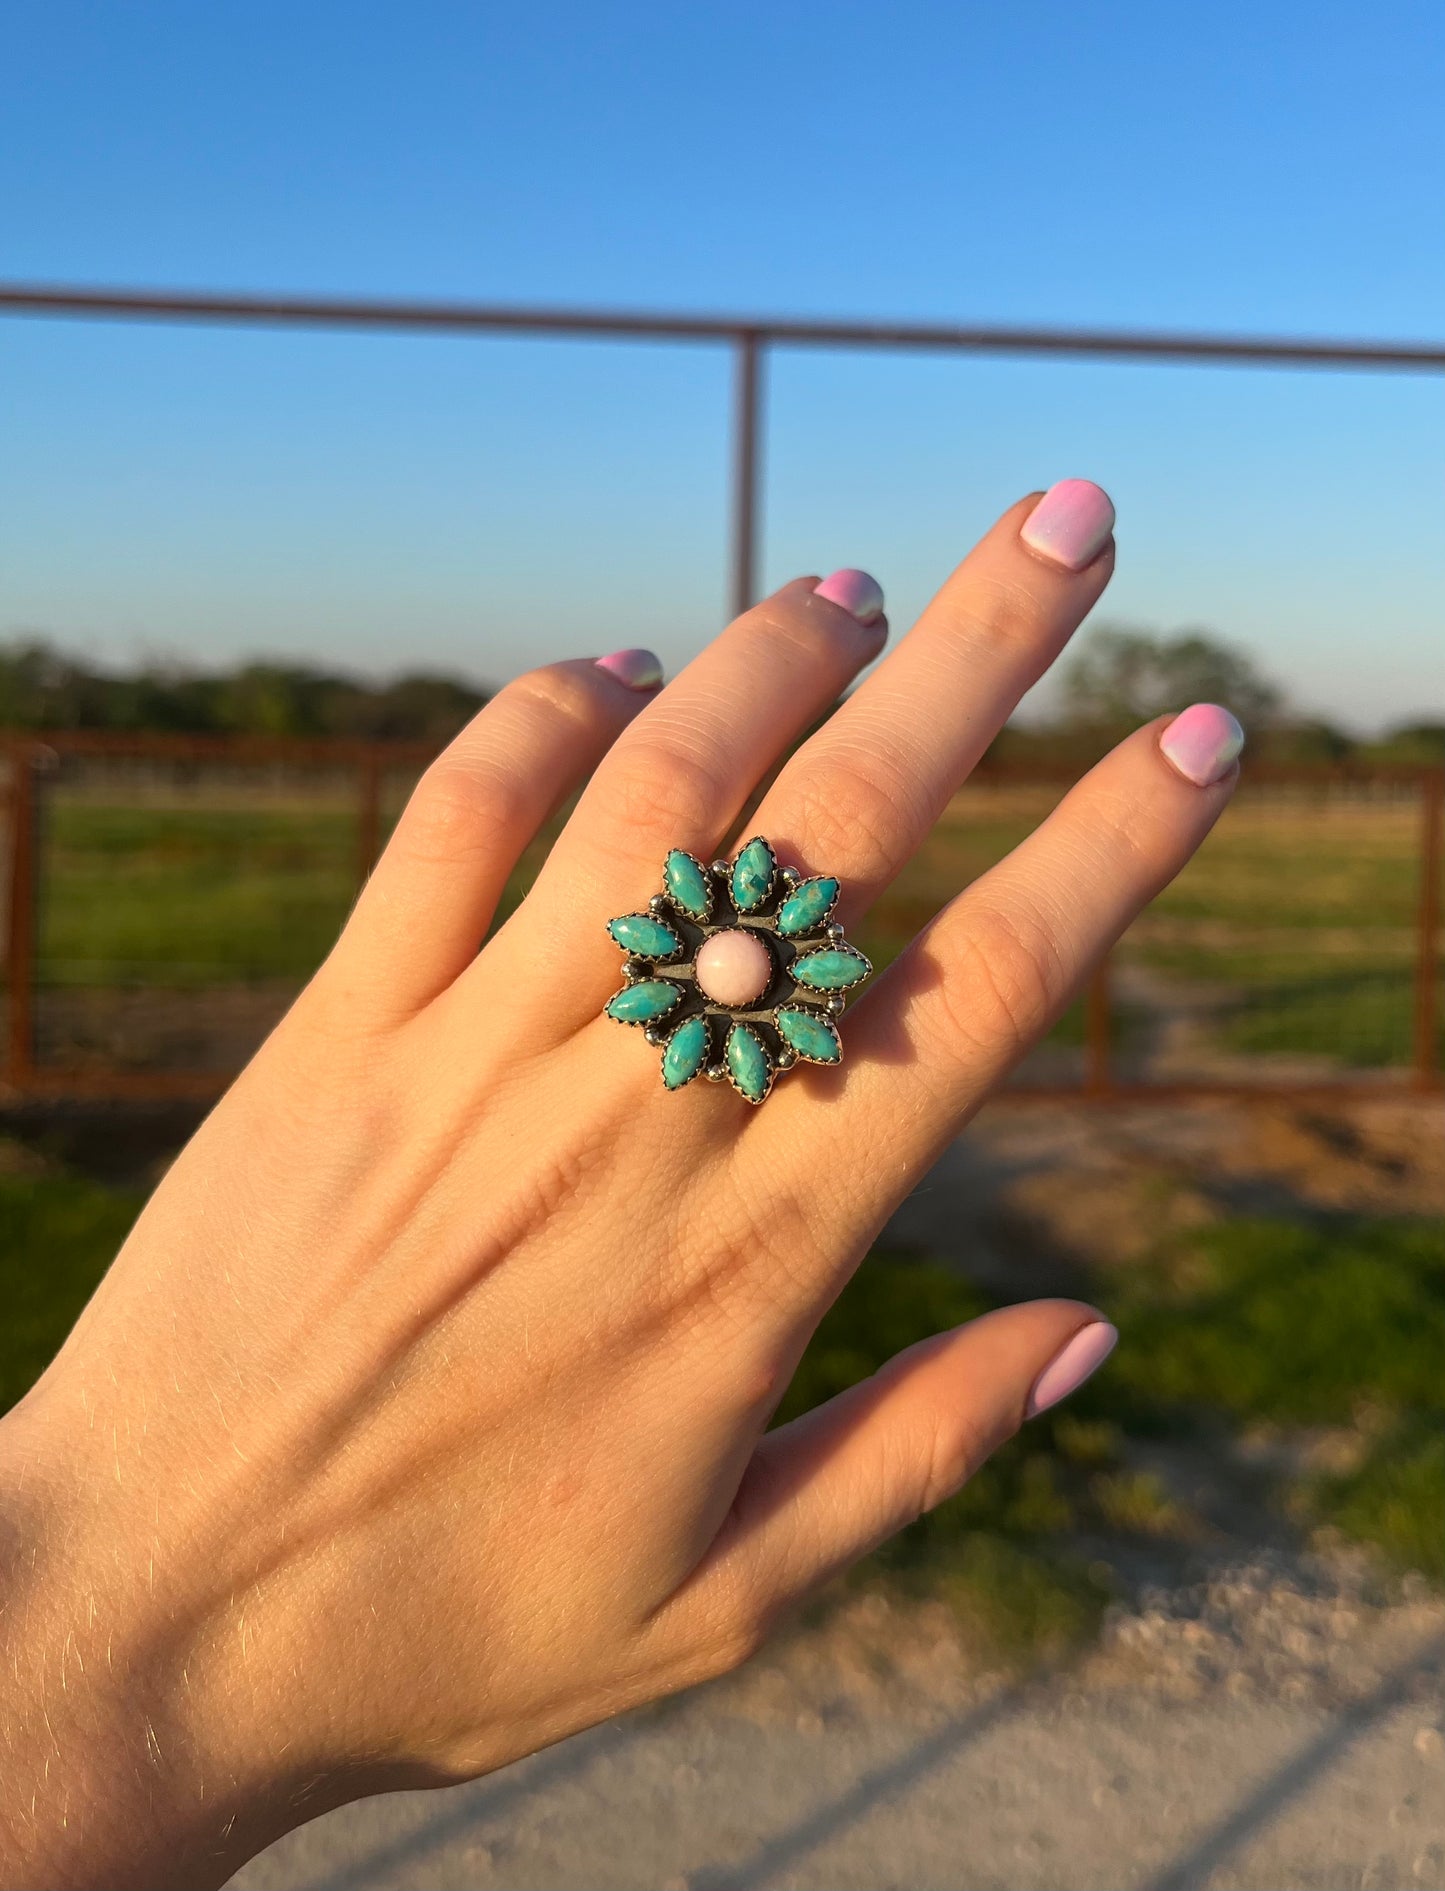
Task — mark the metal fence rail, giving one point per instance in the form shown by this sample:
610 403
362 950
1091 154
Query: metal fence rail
166 896
751 338
1396 970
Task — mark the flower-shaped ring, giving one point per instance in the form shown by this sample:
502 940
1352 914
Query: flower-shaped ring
737 970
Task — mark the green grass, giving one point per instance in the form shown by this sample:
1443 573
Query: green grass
192 896
1241 1322
58 1234
1307 915
1299 911
1341 1325
1396 1499
1302 1325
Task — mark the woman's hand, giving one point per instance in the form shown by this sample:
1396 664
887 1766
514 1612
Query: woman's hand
422 1419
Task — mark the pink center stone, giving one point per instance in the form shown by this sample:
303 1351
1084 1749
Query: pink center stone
733 968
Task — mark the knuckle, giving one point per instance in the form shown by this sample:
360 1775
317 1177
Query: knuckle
655 788
457 809
1003 611
556 694
791 633
737 1643
857 810
996 621
1003 979
950 1455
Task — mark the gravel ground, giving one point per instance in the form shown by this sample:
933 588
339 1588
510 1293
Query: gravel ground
1249 1732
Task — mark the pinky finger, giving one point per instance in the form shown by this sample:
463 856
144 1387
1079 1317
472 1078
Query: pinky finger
424 913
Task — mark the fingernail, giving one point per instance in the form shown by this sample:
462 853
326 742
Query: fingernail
1083 1355
1202 742
1071 524
638 669
856 592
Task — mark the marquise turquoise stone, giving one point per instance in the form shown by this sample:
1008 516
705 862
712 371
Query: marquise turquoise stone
649 938
687 884
686 1053
809 1035
833 970
807 906
753 875
748 1062
649 998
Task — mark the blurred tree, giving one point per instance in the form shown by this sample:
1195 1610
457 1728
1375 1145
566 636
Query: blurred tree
1119 678
43 688
1413 744
1304 744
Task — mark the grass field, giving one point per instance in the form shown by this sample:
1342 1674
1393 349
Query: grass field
1292 932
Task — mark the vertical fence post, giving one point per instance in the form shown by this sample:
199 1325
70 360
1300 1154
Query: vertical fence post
368 816
20 918
1427 959
747 430
1097 1032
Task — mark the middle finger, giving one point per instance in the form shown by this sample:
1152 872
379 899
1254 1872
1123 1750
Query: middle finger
859 798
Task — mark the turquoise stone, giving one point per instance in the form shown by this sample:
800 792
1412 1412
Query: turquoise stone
748 1062
809 1035
686 1053
687 885
807 906
649 998
649 938
753 875
833 970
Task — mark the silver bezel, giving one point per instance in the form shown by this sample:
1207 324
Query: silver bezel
708 1048
744 1024
770 897
824 1015
651 958
783 991
643 1024
824 922
707 880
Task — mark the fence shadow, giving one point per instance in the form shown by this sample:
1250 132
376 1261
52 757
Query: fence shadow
484 1800
776 1854
1193 1867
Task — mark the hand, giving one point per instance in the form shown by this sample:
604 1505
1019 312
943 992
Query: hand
421 1421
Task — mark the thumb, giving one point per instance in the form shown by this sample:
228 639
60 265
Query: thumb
832 1485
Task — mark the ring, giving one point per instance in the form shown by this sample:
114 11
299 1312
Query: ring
737 970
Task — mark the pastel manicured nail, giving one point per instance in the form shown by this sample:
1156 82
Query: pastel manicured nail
1065 1373
1203 743
856 592
638 669
1071 524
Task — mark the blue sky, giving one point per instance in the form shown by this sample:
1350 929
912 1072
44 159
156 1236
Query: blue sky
384 502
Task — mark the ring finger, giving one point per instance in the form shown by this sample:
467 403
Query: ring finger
680 775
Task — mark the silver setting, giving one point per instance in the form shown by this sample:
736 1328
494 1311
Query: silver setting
680 969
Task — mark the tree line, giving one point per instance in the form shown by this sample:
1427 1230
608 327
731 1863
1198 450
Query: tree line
42 687
1115 679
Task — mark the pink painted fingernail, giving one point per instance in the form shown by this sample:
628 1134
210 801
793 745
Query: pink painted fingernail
1202 742
1084 1354
1071 524
856 592
638 669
